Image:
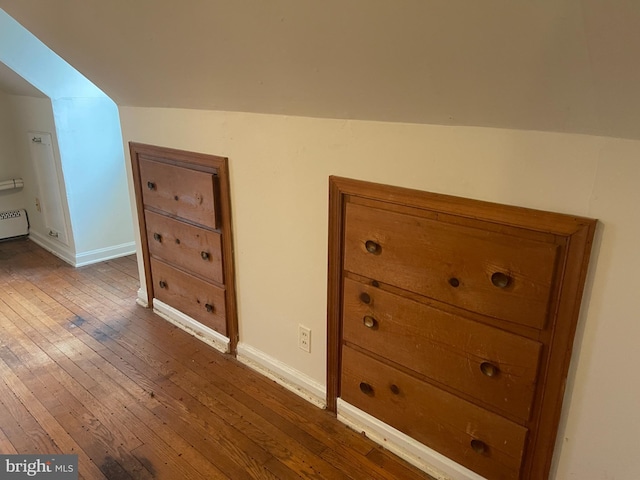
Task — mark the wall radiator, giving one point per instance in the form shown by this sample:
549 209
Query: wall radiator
13 223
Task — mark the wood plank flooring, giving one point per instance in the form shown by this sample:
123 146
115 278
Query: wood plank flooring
85 370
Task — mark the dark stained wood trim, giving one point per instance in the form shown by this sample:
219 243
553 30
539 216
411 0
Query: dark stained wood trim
228 253
334 302
560 352
548 222
135 168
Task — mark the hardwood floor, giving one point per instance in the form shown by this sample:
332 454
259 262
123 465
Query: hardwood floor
85 370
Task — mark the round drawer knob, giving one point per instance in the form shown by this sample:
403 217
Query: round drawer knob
366 388
500 280
162 284
489 369
370 322
454 282
204 255
365 298
373 247
209 307
479 446
394 389
151 185
157 237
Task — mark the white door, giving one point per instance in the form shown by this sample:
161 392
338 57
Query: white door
50 185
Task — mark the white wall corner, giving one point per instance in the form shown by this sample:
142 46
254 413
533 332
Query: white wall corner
414 452
53 246
283 374
191 326
104 254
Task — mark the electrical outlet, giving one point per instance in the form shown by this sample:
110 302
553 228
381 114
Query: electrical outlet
38 207
304 338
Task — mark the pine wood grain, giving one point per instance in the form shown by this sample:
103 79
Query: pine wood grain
84 369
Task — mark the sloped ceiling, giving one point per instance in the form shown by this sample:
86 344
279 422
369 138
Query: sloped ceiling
556 65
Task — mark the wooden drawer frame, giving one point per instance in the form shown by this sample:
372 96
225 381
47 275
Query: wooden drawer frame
573 234
219 168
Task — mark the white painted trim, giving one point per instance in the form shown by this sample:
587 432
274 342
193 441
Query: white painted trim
414 452
104 254
290 378
58 249
142 299
189 325
81 259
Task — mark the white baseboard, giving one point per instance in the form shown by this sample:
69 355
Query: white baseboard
414 452
283 374
81 259
104 254
189 325
58 249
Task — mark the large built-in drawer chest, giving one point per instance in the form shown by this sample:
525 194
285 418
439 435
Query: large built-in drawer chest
452 321
184 216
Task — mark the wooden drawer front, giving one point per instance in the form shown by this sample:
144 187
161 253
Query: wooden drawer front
478 439
196 298
489 364
186 193
451 263
191 248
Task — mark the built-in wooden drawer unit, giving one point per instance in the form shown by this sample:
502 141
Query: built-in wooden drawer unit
490 444
184 215
183 192
452 321
491 365
192 248
195 297
504 276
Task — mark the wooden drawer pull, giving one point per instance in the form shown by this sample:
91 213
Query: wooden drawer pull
500 280
365 298
454 282
204 255
479 446
394 389
162 284
157 237
489 369
366 389
151 185
209 307
370 322
373 247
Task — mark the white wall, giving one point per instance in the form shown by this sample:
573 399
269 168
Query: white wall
10 165
279 168
93 165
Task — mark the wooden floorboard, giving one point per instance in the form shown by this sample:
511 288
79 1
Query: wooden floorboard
85 370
